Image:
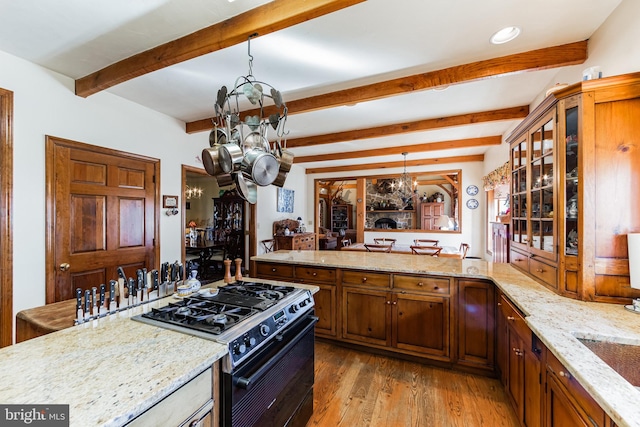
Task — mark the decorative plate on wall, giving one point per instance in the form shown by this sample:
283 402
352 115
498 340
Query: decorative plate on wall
472 203
472 190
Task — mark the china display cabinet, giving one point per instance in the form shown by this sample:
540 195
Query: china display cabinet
229 221
574 189
341 217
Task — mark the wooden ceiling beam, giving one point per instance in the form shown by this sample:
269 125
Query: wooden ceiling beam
534 60
265 19
388 165
514 113
417 148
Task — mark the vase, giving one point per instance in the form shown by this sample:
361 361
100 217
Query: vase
193 282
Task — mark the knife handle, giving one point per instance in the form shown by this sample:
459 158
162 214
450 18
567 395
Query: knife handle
132 287
154 279
112 290
102 294
145 278
121 274
164 272
87 301
94 295
79 299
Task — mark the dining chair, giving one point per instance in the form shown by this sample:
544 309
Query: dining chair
346 242
425 250
268 245
425 242
384 241
375 247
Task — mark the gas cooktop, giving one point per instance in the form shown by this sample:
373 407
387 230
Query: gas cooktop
243 315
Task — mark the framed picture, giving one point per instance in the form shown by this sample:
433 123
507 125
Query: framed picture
169 201
285 200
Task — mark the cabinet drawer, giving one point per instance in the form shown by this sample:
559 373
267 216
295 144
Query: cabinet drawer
575 391
193 398
423 284
313 274
544 272
279 271
520 260
365 278
515 319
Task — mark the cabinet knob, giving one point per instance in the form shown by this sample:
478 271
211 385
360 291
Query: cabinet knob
499 304
395 302
567 375
364 279
511 318
540 270
420 284
273 270
388 302
314 274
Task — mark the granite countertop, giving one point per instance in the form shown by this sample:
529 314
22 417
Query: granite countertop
108 371
556 320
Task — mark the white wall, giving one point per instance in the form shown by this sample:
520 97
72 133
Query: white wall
45 104
267 204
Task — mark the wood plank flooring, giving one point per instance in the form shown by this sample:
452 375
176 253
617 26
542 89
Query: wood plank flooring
358 389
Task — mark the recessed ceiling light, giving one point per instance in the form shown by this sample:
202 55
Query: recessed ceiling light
505 35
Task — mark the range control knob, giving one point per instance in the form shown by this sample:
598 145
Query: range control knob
239 349
303 303
294 308
249 341
264 330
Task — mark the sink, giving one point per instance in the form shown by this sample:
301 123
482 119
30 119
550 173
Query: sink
622 358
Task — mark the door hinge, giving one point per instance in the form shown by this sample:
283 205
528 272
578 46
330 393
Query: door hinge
153 241
153 179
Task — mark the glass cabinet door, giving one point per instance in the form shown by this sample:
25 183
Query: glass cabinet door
571 183
541 211
519 234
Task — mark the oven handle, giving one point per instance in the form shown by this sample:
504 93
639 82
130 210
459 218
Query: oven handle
246 383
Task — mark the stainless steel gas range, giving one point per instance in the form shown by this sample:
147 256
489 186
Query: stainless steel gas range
267 375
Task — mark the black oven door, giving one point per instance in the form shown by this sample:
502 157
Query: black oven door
275 386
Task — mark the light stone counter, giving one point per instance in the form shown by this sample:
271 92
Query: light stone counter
556 320
109 371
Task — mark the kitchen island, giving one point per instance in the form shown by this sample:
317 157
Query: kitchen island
113 369
557 321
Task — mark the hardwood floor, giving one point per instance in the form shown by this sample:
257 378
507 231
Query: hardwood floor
358 389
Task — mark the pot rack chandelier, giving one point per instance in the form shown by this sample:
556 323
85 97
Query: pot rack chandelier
240 151
404 187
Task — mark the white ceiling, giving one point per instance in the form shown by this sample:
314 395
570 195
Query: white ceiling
370 42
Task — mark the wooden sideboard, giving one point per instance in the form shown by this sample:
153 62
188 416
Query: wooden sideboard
296 242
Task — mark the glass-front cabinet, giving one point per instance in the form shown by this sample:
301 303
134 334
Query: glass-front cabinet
570 121
533 190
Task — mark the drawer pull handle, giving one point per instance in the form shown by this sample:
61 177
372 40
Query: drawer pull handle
388 303
364 279
273 270
567 375
511 318
395 302
420 284
499 304
314 274
540 270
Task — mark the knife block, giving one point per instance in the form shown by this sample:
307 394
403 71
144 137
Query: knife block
227 271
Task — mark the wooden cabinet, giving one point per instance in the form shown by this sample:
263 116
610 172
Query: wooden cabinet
594 167
191 404
296 242
500 241
567 402
429 214
533 189
412 316
229 223
341 217
476 324
325 300
520 360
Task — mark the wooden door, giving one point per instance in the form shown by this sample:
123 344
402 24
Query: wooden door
366 315
421 324
101 214
6 214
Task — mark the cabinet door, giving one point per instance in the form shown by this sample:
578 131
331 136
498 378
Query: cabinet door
560 410
532 396
366 315
476 323
325 308
502 343
421 324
